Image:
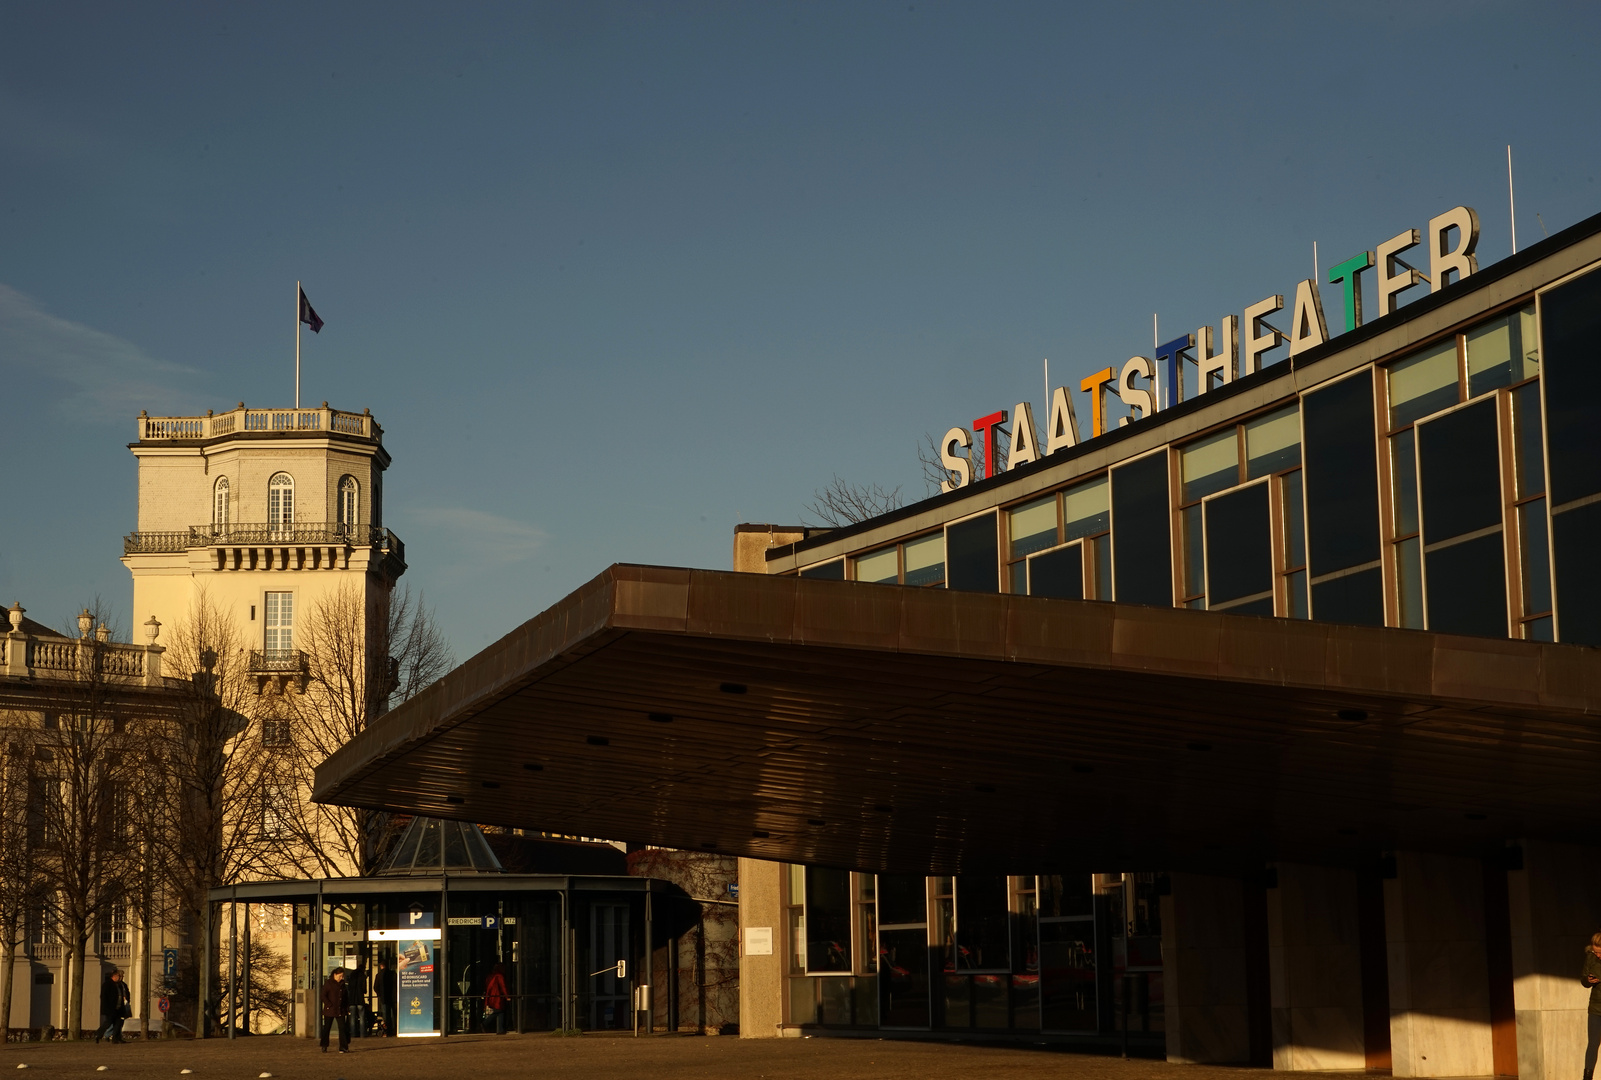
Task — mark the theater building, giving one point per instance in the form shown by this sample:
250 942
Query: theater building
1261 727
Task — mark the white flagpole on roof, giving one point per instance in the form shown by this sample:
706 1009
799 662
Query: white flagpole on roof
297 344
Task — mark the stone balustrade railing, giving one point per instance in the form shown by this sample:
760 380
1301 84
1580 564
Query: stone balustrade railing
29 656
286 421
260 534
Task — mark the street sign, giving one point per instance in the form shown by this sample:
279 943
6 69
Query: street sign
491 922
169 962
733 890
164 1004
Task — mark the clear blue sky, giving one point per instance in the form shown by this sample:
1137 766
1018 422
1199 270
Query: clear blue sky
616 276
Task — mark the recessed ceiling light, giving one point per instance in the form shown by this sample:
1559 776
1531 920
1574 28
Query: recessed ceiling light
1198 746
454 799
884 808
491 784
533 766
986 789
815 821
1352 716
1083 768
732 688
598 740
760 834
661 718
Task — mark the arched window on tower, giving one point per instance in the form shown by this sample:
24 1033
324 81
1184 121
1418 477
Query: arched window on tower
219 505
347 508
281 504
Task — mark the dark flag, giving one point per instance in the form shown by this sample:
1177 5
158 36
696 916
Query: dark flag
307 315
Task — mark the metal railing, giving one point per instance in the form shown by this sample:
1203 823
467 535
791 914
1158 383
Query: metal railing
260 534
164 428
278 661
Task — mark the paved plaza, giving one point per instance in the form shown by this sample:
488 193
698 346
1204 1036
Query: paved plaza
588 1057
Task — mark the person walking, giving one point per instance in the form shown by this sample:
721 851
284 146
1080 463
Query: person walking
115 1006
388 990
336 1008
495 998
1590 975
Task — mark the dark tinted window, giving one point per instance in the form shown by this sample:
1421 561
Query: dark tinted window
1459 472
1354 598
972 556
1066 894
1067 976
1342 492
1058 574
903 978
829 571
1575 537
1571 317
1239 546
901 899
1142 553
828 919
982 923
1467 587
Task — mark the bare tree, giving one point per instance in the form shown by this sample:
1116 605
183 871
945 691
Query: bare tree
210 831
843 503
91 770
19 878
364 652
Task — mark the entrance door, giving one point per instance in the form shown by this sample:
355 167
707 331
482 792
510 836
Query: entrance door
608 943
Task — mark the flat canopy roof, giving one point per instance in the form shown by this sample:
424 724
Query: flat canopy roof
897 729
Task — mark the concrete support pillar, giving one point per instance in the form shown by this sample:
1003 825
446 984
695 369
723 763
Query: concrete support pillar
1204 970
761 948
1315 961
1439 979
1555 905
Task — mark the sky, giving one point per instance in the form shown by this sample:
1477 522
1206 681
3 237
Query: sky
615 277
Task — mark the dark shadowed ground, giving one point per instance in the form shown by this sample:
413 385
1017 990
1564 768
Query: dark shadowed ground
585 1057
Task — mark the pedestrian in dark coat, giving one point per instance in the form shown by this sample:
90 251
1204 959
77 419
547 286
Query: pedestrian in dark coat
1590 976
115 1007
388 995
336 1009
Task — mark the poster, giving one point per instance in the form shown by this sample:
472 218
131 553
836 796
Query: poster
415 968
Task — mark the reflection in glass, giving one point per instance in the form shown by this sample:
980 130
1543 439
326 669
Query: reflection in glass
925 560
902 899
1459 473
1528 445
1032 527
1536 560
1058 574
1341 480
983 923
1143 555
1086 509
1404 477
1209 465
1273 442
1423 384
1066 895
828 919
972 555
1355 598
1294 521
990 1007
1409 582
1194 551
829 571
1467 587
1239 548
1539 630
903 978
1575 536
1570 326
1502 352
880 567
1067 975
1296 584
1102 556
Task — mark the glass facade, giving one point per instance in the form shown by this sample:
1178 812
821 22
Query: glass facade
1455 487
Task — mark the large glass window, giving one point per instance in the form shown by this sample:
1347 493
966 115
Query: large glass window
1404 528
833 570
1502 352
982 923
1424 383
1570 326
972 555
219 502
1040 564
1030 528
1342 503
903 950
1087 516
1528 473
828 920
281 499
280 622
1459 496
1239 551
925 560
1142 551
882 567
347 507
1209 465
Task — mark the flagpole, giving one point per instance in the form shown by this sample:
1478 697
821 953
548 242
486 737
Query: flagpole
297 344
